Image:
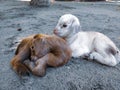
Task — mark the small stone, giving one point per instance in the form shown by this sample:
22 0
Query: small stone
19 29
68 67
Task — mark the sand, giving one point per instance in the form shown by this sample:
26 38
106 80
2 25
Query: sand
18 20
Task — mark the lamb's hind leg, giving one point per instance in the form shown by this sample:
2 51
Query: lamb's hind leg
104 51
103 59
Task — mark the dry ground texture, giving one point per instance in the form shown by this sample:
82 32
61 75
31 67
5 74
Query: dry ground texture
18 20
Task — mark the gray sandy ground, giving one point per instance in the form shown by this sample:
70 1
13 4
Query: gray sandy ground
77 74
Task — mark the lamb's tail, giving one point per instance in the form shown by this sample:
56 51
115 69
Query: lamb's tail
115 52
117 56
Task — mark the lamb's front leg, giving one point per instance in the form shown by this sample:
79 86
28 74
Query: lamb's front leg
81 52
40 68
30 64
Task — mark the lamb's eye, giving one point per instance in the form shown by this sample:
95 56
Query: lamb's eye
32 47
64 25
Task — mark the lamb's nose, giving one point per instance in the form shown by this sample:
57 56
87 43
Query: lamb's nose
55 31
33 58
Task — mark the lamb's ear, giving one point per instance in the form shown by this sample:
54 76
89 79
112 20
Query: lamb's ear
43 40
76 26
40 38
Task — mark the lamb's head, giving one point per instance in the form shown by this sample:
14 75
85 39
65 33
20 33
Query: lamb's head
67 25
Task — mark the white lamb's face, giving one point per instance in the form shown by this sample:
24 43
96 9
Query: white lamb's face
63 28
66 25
